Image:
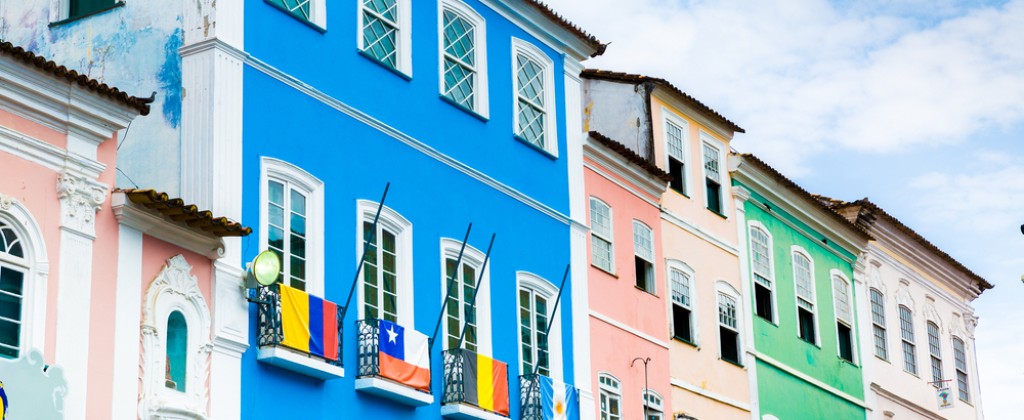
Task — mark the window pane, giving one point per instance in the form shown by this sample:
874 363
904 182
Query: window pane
600 219
643 241
802 274
601 253
380 39
644 272
680 287
177 351
727 311
763 302
806 319
881 348
11 281
760 253
841 297
276 192
677 170
845 342
674 135
711 156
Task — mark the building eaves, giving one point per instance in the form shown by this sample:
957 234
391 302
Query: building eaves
631 156
175 210
589 39
72 76
665 84
864 211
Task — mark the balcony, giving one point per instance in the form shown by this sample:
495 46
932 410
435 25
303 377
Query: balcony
529 398
475 387
403 378
561 398
304 340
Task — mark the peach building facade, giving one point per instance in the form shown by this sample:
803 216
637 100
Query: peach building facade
629 353
105 297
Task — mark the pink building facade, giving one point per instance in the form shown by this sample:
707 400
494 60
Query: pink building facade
629 356
105 296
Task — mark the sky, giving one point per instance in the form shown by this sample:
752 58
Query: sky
916 104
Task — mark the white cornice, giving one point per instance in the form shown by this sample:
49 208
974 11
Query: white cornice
47 155
887 235
876 251
142 219
535 23
618 165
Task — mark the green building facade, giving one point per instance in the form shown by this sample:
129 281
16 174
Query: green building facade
798 260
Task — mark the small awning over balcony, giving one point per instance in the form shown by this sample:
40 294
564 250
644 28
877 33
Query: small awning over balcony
299 332
475 386
394 362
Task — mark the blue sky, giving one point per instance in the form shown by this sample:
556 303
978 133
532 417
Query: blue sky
916 104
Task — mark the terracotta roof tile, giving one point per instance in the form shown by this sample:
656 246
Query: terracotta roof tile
637 79
631 156
59 71
177 211
569 26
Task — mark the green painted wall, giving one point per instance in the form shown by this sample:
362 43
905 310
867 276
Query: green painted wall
790 398
780 341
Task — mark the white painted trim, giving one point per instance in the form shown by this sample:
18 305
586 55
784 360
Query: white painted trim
303 364
393 391
128 298
876 251
402 228
677 265
530 51
679 383
797 249
724 183
852 323
37 272
671 117
404 138
613 162
530 20
403 63
131 215
654 257
549 291
46 155
474 258
458 411
810 380
74 298
481 102
600 171
294 177
611 232
751 225
624 327
695 229
723 288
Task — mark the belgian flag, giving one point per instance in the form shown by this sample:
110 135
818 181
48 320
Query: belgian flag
486 382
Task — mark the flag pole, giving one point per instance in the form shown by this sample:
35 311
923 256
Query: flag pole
536 366
448 290
366 247
476 291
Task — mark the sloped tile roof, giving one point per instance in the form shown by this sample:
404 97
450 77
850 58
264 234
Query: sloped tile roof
631 156
569 26
177 211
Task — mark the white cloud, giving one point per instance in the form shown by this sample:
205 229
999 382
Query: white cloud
803 76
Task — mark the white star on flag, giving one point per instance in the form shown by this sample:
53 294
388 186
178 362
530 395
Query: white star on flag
392 335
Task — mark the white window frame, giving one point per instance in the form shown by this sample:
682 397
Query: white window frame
670 117
965 371
610 237
539 285
796 249
475 258
883 326
935 355
723 171
34 265
313 188
610 391
402 228
753 224
651 288
723 288
684 268
531 51
403 63
481 104
655 403
911 342
317 14
833 275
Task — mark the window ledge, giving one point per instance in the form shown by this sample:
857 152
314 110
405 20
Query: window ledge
847 362
737 364
465 109
679 192
93 13
605 271
299 363
394 391
467 412
687 342
645 290
542 150
387 66
308 23
719 214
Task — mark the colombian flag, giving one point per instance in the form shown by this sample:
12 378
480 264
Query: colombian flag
404 356
309 323
486 382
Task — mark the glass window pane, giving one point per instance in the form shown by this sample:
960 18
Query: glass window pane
177 351
276 192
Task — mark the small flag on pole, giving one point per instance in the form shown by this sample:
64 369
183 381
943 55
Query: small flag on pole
404 357
309 323
486 382
557 400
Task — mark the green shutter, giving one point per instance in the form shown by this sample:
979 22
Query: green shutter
79 8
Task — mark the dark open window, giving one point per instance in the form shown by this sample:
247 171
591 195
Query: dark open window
806 319
763 302
681 323
714 196
845 342
677 170
79 8
730 345
644 274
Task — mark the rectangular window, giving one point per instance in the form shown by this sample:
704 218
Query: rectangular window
713 178
728 332
674 136
310 11
960 357
845 341
12 282
682 315
459 311
79 8
286 231
878 324
643 250
530 85
460 59
381 37
804 297
762 267
935 350
844 317
533 320
907 334
601 252
380 274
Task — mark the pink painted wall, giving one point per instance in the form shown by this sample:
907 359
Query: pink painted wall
615 296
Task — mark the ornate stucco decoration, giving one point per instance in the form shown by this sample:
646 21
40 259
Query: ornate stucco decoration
875 277
956 326
930 313
80 199
175 290
5 202
971 322
903 295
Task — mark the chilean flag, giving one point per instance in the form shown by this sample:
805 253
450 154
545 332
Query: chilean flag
404 356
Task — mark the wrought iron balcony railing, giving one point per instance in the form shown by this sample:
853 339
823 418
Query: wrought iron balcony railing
466 381
271 331
529 398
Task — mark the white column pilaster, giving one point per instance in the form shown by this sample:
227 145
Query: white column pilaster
740 196
128 318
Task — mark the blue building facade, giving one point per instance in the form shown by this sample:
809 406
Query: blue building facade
469 109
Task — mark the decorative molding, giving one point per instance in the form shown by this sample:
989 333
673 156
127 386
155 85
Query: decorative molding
903 297
47 155
698 232
971 322
930 313
896 398
5 202
679 383
810 380
956 326
740 195
611 321
80 199
138 217
175 289
608 161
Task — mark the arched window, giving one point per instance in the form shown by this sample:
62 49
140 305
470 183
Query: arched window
536 301
602 252
463 40
878 323
803 277
643 256
533 78
935 350
960 357
292 223
13 267
655 406
907 334
682 284
844 315
386 292
610 398
177 351
764 276
461 312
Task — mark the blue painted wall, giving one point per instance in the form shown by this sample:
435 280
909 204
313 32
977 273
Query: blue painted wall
355 160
